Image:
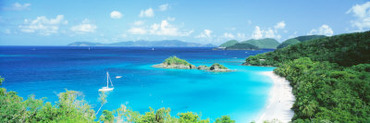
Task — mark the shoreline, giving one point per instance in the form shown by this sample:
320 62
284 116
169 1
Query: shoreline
279 102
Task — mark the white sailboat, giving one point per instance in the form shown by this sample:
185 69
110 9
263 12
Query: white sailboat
107 88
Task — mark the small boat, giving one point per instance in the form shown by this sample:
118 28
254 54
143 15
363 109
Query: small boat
107 88
117 77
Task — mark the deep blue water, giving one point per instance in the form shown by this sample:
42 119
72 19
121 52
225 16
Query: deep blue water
47 71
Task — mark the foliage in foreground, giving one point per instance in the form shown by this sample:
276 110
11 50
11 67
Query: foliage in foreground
72 108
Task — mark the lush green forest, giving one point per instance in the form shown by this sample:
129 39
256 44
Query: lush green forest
266 43
72 108
330 77
299 39
288 42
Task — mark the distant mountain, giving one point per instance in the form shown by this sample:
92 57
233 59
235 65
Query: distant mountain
142 43
229 43
266 43
299 39
242 46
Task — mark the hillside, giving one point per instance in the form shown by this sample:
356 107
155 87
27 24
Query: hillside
345 50
329 76
309 37
142 43
288 42
242 46
299 39
266 43
229 43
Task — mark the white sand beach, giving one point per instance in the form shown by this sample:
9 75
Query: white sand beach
280 100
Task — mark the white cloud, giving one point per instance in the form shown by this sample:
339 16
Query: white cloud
164 28
115 15
163 7
43 25
362 15
228 35
323 30
259 33
18 7
205 34
137 30
138 23
147 13
280 25
84 27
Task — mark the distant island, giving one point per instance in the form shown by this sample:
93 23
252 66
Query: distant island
174 62
252 44
143 43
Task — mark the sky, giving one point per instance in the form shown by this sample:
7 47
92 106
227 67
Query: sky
58 23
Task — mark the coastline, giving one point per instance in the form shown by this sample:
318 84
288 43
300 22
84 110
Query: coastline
279 102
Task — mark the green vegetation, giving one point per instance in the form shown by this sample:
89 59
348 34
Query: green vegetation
309 37
229 43
299 39
266 43
224 119
330 77
218 66
174 60
345 50
242 46
288 42
72 108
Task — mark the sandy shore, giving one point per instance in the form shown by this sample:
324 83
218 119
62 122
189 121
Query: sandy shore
280 100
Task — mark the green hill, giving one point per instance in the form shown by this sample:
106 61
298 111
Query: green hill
229 43
299 39
266 43
345 50
288 42
330 77
242 46
309 37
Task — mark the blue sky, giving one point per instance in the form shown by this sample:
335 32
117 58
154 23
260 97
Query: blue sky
45 22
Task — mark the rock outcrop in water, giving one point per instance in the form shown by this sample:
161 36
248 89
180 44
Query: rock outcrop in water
219 68
174 62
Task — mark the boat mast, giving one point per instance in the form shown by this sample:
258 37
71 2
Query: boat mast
107 79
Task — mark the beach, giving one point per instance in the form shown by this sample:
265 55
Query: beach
279 102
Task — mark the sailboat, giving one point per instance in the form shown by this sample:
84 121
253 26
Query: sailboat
107 88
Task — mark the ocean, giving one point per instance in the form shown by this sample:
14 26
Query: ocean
46 71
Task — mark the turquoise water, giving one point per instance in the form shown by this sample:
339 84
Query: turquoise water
48 71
